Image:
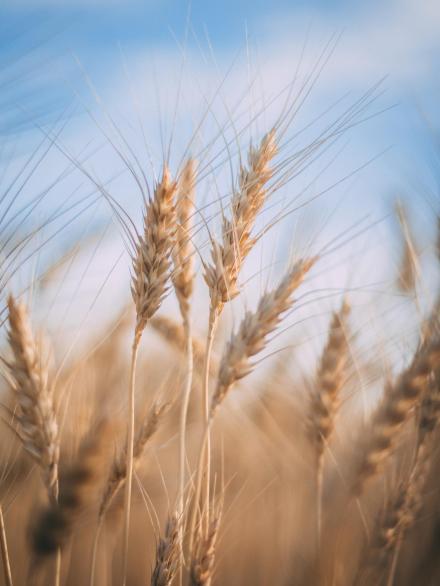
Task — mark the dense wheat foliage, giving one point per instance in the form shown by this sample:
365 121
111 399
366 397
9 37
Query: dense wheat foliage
235 423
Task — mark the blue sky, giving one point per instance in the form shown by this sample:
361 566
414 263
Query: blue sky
63 54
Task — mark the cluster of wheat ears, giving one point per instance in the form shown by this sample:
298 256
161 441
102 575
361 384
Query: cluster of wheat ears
171 485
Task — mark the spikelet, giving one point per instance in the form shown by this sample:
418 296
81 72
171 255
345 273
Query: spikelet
183 251
151 261
251 336
227 258
330 378
167 555
118 470
393 411
38 428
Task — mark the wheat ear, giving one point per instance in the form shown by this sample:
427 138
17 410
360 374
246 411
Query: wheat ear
151 273
324 400
221 275
396 520
167 555
38 428
251 337
393 411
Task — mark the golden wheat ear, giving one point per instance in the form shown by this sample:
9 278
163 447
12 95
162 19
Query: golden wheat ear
151 262
394 409
35 414
251 337
222 273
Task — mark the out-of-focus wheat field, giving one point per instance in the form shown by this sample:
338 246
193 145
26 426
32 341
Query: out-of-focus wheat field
219 293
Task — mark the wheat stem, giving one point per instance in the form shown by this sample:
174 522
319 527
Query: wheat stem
4 548
95 550
130 447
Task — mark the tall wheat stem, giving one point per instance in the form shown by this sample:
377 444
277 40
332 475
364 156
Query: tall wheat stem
319 496
4 548
130 445
203 465
182 432
95 549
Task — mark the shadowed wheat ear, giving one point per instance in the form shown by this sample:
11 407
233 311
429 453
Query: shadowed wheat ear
399 515
393 411
151 273
324 400
37 423
167 555
247 201
78 488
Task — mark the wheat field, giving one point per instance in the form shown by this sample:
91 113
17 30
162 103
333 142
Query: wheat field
229 423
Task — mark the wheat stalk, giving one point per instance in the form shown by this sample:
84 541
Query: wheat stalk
4 551
221 275
151 273
183 281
